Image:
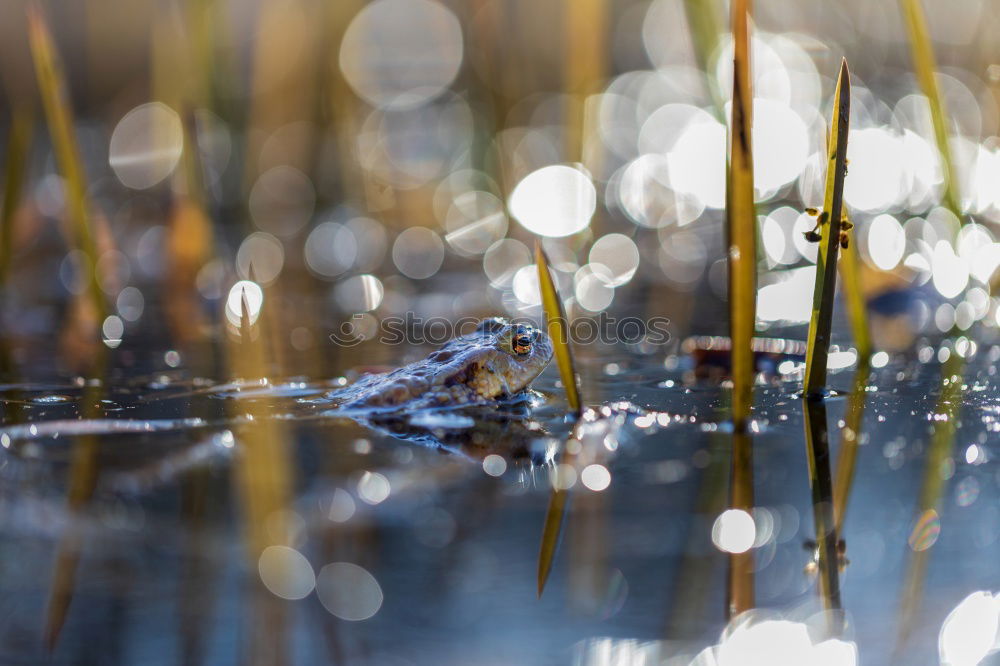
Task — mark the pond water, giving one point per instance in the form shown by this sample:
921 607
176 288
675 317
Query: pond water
188 523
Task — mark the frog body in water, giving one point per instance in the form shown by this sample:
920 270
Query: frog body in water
497 360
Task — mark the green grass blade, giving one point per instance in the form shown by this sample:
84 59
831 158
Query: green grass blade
924 67
741 221
818 346
15 165
52 86
703 26
857 313
558 329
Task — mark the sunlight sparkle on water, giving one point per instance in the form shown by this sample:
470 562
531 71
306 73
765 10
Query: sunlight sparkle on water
113 329
596 477
554 201
698 163
950 273
772 236
886 242
788 297
494 465
877 176
234 302
734 531
644 191
784 134
969 633
373 487
749 641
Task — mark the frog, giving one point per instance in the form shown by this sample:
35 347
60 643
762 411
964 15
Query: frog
498 360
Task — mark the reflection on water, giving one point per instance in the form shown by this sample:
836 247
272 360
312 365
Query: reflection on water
417 540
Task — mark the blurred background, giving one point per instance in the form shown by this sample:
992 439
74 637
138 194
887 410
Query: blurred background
373 158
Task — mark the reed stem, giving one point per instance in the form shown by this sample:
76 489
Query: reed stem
741 222
830 226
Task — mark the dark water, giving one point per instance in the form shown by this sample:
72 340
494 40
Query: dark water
135 545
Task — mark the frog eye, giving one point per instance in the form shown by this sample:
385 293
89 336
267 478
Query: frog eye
522 343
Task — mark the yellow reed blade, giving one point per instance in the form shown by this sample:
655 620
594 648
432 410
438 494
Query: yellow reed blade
857 313
52 86
741 221
924 67
558 328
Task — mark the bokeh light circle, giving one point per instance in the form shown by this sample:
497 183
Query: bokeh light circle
504 259
591 286
348 591
264 254
282 200
525 285
784 141
554 201
234 302
401 53
286 572
596 477
374 488
619 254
886 242
330 249
734 531
146 145
418 253
475 220
360 293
